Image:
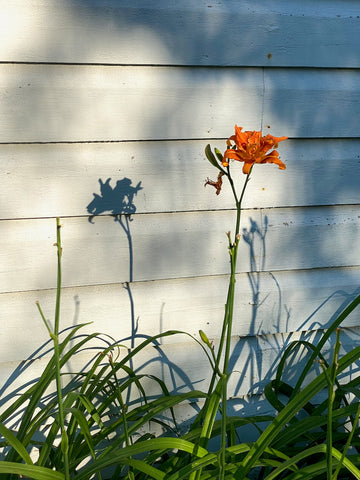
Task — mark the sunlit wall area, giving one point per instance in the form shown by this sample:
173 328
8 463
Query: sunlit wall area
105 111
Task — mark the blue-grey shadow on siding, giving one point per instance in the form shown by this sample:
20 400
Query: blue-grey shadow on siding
119 202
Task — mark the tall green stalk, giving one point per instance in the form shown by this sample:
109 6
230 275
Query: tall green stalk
55 338
217 392
228 319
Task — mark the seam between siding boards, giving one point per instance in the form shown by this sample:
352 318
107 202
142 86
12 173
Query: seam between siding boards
171 65
162 280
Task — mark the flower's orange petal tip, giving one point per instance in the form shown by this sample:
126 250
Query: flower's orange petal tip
246 168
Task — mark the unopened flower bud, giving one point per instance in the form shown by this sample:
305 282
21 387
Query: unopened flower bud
204 338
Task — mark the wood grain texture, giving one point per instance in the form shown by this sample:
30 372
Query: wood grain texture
266 303
279 33
48 103
63 179
163 246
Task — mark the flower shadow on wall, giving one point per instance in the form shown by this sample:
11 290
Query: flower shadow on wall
118 201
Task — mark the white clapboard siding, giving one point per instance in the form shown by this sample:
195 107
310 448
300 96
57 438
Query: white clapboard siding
75 103
53 103
163 246
266 303
278 33
131 92
50 180
306 102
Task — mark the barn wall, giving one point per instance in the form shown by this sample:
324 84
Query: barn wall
133 91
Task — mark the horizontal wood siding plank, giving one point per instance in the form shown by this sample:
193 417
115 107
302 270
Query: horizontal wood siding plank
42 103
255 33
73 103
307 103
63 179
162 246
266 303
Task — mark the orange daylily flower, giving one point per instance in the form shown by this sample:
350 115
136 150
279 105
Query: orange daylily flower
251 147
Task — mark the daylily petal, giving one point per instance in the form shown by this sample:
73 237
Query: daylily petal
232 154
273 157
246 168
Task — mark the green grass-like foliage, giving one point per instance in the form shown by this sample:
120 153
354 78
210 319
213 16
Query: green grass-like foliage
97 430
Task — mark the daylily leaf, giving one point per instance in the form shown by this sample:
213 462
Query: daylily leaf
210 156
218 154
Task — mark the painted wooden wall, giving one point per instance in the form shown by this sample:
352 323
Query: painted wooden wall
132 91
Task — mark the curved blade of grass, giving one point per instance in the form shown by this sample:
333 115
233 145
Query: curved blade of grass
345 313
289 412
212 459
313 451
143 467
236 422
158 406
15 443
90 408
81 405
290 349
139 417
99 384
84 428
281 369
245 447
35 392
122 454
276 387
293 433
194 466
30 471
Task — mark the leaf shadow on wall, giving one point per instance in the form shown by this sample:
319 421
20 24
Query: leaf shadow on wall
255 357
247 346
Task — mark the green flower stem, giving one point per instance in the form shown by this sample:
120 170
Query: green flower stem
228 319
217 391
55 338
229 306
59 275
54 335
